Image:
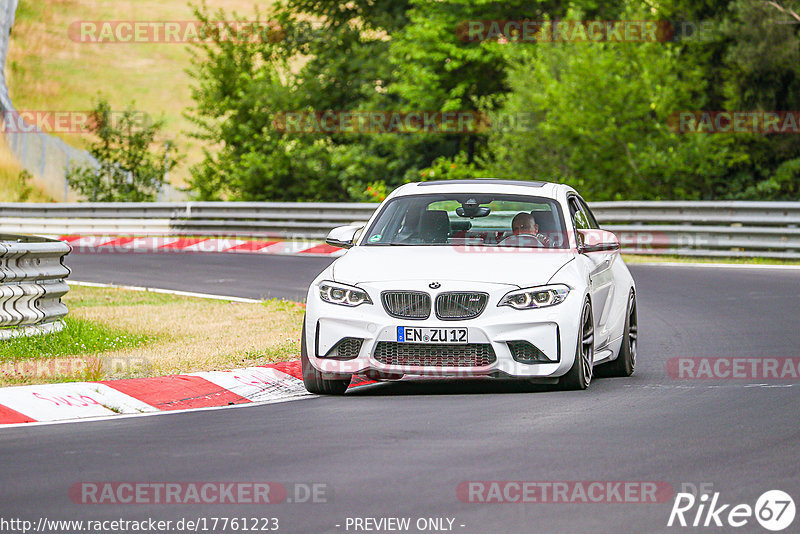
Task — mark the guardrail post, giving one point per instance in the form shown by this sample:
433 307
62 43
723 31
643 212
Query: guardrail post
44 155
32 283
66 178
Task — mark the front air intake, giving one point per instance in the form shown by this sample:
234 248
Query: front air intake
407 304
458 306
433 355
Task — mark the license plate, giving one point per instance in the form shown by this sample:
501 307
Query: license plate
411 334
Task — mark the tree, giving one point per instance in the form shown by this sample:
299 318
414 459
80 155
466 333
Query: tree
243 87
130 170
762 65
601 115
750 60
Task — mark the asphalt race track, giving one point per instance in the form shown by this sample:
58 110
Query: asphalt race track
401 450
257 276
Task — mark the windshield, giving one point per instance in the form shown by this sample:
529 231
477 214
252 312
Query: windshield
469 219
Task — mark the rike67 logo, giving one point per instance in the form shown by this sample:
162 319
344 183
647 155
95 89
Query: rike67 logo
774 510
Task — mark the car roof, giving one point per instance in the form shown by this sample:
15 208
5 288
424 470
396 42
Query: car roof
482 185
525 183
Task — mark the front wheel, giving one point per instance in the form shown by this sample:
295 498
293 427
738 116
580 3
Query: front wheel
315 381
626 361
580 374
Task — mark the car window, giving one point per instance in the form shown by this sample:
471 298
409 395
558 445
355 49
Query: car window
469 219
579 218
588 213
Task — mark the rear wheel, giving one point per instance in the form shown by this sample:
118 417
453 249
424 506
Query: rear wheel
580 374
315 381
626 361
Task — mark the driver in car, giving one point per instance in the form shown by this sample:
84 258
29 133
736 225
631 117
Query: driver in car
524 231
525 224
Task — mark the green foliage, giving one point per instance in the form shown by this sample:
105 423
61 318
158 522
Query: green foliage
762 59
243 87
601 116
375 192
607 147
25 188
131 170
599 112
783 185
456 168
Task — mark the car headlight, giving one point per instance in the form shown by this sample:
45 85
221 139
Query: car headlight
535 297
343 294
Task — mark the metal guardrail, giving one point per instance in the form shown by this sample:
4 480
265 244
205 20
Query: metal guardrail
689 228
253 219
32 274
705 228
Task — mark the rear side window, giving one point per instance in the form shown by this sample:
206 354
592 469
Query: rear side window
579 217
588 213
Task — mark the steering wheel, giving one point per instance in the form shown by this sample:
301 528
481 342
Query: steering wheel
521 240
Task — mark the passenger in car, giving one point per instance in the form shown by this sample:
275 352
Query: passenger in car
410 227
434 226
544 226
523 224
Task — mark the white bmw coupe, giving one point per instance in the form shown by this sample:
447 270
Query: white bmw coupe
472 278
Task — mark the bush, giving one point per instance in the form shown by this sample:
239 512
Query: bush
131 170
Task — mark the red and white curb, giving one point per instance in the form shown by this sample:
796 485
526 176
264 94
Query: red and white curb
132 245
88 400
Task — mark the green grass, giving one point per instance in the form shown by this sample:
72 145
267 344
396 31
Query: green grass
80 337
117 333
288 350
16 186
634 258
282 305
87 297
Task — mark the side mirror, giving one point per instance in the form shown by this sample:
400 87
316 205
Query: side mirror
597 241
344 236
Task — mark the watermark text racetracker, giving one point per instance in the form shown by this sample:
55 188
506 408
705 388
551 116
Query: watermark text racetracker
67 367
175 31
68 122
564 492
740 121
584 31
400 122
207 492
734 368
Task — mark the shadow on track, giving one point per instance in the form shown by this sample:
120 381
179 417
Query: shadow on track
480 386
451 387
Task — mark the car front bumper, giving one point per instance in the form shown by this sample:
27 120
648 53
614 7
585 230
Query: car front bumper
552 330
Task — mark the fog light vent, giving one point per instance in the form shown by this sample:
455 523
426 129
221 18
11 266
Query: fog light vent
526 352
346 349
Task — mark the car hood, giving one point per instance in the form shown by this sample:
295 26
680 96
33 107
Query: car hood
522 267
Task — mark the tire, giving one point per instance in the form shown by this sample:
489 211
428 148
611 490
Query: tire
580 374
625 363
316 382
